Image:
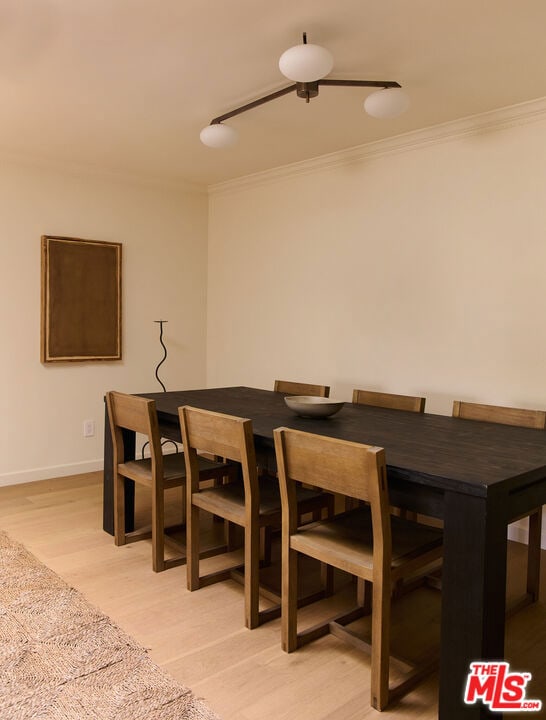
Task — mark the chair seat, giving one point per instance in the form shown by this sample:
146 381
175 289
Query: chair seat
231 499
348 539
174 469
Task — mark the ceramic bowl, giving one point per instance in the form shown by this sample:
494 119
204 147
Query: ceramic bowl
313 407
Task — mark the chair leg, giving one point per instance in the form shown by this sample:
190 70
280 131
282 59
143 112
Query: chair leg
252 575
380 643
192 546
327 579
233 535
158 529
533 554
119 509
289 601
228 534
327 571
364 595
183 506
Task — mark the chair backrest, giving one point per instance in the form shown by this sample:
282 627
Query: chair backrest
337 466
295 388
498 414
389 400
222 435
129 412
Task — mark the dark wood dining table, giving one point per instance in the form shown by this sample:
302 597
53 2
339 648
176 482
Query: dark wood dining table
477 477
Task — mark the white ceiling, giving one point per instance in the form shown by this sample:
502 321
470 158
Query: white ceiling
126 85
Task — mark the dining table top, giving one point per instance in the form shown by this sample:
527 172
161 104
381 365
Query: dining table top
449 453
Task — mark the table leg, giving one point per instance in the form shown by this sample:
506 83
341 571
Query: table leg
108 481
473 597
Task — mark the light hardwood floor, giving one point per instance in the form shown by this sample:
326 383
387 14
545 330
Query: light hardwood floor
199 637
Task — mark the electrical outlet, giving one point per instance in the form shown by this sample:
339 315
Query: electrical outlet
88 428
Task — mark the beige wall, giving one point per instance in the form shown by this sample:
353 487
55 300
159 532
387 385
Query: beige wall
164 236
417 271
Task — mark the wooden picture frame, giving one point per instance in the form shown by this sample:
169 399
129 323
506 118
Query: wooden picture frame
81 300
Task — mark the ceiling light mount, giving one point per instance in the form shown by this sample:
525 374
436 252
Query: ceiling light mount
308 65
307 90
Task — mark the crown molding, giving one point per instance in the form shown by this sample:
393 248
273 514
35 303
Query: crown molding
84 170
493 120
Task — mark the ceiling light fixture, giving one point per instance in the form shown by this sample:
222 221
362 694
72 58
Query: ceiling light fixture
308 65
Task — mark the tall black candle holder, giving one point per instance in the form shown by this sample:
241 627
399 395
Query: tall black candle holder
160 363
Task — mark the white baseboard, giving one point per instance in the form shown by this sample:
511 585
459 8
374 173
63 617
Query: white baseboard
25 476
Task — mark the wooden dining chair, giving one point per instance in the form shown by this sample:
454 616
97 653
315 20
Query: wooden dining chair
250 502
158 472
522 418
390 401
410 403
288 387
366 542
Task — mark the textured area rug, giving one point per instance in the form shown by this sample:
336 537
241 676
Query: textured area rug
62 659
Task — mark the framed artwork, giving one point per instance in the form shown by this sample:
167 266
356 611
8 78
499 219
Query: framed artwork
81 300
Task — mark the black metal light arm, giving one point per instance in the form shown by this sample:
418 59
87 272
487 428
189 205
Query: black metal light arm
253 104
304 90
360 83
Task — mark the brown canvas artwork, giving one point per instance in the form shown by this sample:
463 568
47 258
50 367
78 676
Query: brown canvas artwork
81 300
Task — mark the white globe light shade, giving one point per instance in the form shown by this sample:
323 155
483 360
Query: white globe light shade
306 63
386 103
218 136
